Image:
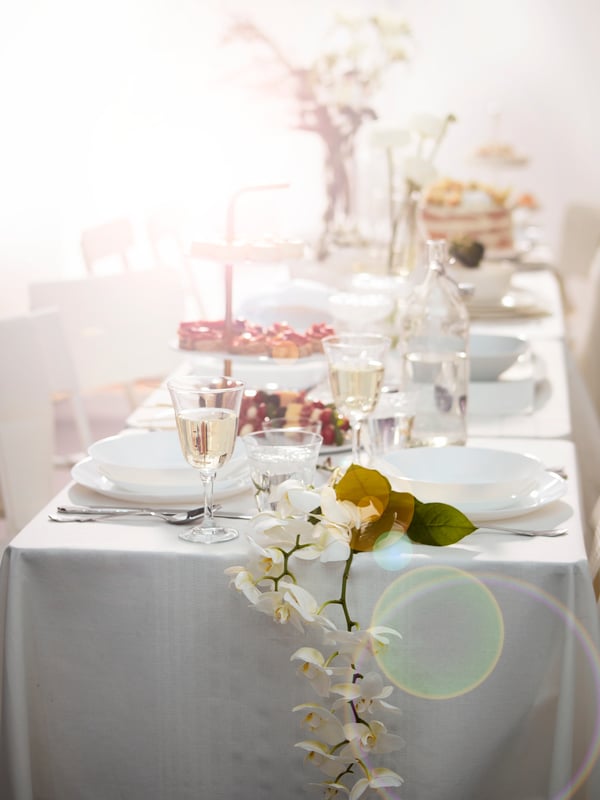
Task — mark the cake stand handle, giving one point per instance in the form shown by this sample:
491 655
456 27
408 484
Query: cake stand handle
230 237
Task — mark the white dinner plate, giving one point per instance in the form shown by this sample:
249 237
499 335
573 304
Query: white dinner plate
515 303
548 488
86 473
455 474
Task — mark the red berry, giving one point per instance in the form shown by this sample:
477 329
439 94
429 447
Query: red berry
326 416
328 434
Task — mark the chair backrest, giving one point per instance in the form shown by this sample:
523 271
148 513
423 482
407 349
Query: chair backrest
62 374
580 237
119 328
165 238
26 418
588 355
167 243
112 239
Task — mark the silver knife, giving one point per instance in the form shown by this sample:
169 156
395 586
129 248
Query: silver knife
125 510
94 510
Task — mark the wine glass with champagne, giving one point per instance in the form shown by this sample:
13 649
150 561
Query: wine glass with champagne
356 368
207 412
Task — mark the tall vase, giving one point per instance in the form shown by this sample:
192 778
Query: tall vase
340 224
407 240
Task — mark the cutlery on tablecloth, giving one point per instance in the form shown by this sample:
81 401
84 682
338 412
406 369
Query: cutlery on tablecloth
525 531
99 513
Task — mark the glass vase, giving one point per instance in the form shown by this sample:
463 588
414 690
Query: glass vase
407 241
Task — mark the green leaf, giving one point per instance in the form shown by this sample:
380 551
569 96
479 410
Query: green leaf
403 503
438 524
364 541
359 483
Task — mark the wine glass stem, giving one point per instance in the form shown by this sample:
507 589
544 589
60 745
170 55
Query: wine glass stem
356 426
208 482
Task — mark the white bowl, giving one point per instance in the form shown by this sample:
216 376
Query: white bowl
360 308
490 280
144 459
460 474
491 355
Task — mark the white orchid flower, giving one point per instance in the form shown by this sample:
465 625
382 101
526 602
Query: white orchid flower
364 740
429 126
266 561
294 498
394 49
377 778
319 756
348 20
373 640
391 24
419 171
331 543
322 723
280 532
367 695
332 789
244 582
291 603
313 668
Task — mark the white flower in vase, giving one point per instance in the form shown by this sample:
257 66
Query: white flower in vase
407 177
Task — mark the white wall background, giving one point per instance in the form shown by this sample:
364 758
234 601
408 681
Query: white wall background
121 106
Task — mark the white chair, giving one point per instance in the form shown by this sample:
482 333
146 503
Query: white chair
26 415
164 230
119 328
111 240
580 237
583 329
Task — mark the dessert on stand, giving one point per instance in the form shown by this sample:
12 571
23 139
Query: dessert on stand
280 362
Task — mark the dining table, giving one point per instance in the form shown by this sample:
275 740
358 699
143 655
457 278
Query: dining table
131 667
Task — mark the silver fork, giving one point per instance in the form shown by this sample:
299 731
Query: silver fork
524 531
172 518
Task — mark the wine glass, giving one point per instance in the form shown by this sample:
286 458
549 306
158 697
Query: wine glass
207 411
356 368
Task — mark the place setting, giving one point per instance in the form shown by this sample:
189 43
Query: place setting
228 441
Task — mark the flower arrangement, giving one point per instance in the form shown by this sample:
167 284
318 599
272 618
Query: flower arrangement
407 178
333 96
353 513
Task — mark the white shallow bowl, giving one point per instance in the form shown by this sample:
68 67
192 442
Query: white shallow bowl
490 280
460 474
492 355
360 307
144 459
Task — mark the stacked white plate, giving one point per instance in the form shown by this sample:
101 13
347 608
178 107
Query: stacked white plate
149 467
485 484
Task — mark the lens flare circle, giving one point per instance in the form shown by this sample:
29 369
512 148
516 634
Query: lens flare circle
433 605
398 603
392 551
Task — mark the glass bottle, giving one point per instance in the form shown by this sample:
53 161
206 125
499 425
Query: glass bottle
435 360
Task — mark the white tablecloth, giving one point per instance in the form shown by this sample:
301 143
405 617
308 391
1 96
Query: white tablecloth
131 669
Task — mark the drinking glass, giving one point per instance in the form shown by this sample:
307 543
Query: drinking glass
278 455
390 425
356 368
207 411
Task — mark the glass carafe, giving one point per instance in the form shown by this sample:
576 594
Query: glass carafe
435 356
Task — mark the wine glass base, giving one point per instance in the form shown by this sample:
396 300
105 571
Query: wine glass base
209 535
